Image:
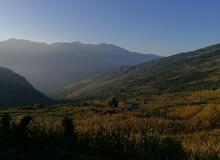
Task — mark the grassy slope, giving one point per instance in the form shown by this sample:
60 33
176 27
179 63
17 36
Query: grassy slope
189 71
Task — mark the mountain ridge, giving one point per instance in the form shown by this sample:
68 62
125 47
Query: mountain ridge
194 70
66 62
17 91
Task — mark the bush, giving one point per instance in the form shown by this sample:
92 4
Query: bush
171 149
113 102
69 130
6 122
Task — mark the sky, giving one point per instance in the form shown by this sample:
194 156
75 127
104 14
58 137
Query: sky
164 27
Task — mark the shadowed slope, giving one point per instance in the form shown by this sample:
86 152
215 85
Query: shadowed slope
16 91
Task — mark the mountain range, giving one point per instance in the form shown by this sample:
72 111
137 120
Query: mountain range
50 67
190 71
104 71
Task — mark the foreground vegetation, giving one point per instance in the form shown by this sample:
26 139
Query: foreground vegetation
169 126
18 141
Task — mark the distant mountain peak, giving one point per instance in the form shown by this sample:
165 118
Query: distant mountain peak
50 67
109 45
77 43
16 40
21 42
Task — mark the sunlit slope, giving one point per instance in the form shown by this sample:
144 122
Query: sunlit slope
191 71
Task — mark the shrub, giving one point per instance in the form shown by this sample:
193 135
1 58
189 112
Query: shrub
113 102
69 130
6 122
171 149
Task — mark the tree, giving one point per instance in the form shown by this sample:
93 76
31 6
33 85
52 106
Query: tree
113 102
69 130
172 149
6 122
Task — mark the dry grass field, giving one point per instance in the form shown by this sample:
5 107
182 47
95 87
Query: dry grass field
193 118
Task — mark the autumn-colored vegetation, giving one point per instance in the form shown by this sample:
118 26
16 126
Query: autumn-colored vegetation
188 122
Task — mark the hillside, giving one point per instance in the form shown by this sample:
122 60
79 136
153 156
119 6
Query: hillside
191 71
50 67
16 91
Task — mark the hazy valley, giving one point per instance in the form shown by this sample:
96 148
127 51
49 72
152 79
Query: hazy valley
69 62
133 112
109 80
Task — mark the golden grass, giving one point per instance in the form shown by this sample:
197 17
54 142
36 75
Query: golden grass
194 118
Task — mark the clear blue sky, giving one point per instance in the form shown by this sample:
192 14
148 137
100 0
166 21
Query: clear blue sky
150 26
